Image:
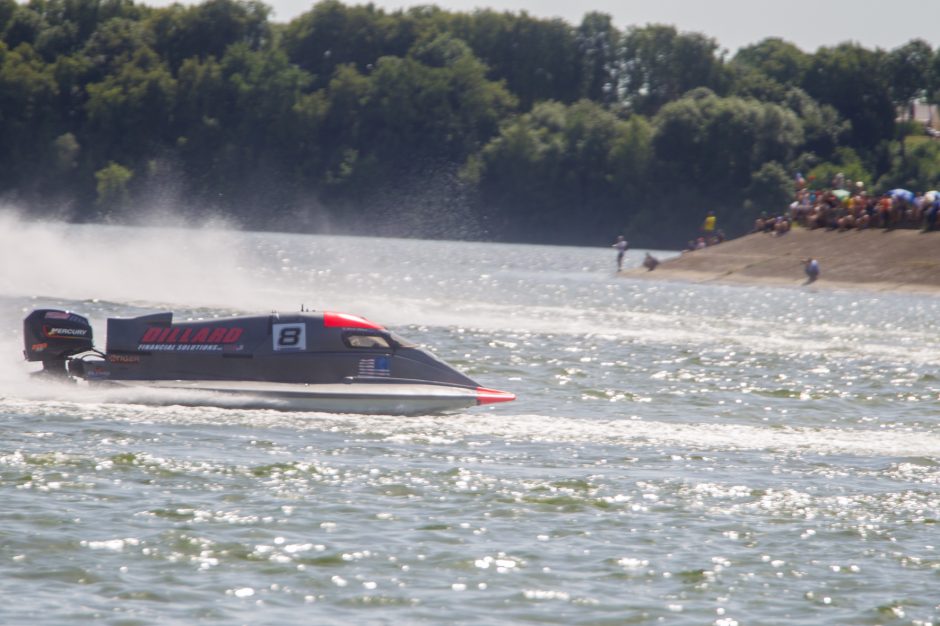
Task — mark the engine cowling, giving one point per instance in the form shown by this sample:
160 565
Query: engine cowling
54 335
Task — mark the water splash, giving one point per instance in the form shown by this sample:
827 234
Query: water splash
197 265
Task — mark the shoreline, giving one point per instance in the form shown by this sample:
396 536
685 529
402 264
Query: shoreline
895 261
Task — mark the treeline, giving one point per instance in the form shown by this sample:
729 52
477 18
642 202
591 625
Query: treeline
439 124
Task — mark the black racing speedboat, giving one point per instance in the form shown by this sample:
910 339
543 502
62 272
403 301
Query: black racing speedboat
316 361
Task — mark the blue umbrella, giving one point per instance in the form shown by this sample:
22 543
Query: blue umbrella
903 194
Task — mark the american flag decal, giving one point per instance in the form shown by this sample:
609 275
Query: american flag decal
374 367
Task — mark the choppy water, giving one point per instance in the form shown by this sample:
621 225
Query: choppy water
678 454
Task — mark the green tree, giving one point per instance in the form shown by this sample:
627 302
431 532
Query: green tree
28 120
823 128
347 93
208 29
659 65
933 78
908 70
918 171
598 40
847 162
777 59
112 186
852 79
538 59
67 151
113 44
129 112
68 24
332 34
631 157
717 143
770 191
407 115
239 127
768 70
363 110
7 9
564 173
23 26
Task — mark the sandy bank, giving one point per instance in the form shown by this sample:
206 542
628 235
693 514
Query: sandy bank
900 260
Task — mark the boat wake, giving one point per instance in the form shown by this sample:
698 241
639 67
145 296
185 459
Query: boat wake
192 408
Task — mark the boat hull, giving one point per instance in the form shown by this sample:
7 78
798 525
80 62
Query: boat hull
371 398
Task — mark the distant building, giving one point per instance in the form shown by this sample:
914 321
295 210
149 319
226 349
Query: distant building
920 111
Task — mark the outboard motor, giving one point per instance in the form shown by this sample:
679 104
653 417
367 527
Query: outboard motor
52 336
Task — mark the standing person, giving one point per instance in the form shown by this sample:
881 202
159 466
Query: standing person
708 226
811 267
621 245
930 216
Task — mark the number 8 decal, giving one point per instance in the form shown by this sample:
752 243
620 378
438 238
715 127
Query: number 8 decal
289 337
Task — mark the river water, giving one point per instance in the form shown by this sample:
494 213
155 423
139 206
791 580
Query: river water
678 454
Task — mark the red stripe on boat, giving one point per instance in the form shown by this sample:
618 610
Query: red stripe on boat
345 320
490 396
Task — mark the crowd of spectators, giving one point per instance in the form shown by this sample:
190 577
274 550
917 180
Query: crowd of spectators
848 205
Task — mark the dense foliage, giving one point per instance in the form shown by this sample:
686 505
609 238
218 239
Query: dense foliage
432 123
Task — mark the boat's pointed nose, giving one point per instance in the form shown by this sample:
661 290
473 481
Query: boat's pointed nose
491 396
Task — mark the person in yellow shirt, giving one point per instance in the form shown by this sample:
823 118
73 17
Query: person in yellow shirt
708 226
